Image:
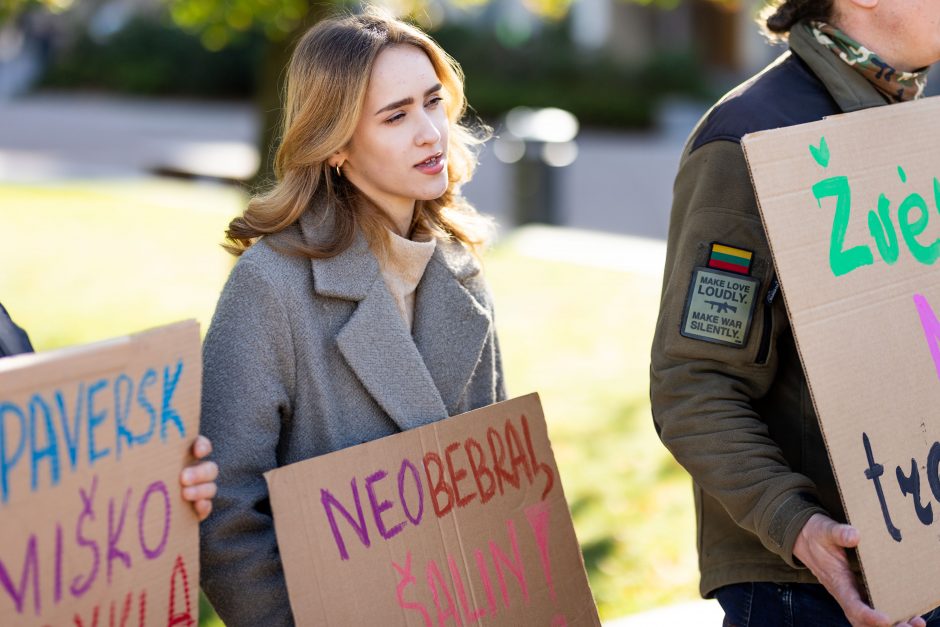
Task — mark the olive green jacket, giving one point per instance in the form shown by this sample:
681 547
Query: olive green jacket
740 418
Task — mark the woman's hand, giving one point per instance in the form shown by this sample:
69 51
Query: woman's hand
198 479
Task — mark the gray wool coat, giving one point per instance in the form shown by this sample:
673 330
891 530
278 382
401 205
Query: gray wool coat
305 357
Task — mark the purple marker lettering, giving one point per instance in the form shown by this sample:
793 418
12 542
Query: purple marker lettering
414 519
156 486
384 506
330 503
538 517
30 565
79 587
114 535
57 591
931 328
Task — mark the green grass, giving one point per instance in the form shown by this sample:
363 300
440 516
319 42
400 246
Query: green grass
86 261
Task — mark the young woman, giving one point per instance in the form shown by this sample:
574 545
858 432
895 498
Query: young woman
772 535
356 308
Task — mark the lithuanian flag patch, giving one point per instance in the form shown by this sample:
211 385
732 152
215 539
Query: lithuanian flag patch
730 259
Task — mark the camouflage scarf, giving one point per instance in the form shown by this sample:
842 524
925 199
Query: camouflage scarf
897 86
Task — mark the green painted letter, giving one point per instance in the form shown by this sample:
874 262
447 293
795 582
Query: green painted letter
841 261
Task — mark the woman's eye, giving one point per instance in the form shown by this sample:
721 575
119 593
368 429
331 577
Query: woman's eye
395 118
433 102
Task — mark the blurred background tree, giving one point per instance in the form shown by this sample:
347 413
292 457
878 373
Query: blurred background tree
528 53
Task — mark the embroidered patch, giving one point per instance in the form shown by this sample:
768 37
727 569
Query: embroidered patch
730 258
720 307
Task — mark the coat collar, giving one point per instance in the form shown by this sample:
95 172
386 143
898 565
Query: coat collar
850 90
419 378
451 325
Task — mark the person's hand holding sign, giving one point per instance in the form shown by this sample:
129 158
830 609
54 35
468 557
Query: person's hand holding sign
821 547
198 479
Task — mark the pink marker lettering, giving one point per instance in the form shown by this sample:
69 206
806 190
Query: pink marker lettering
516 567
435 578
406 579
931 328
485 577
462 593
537 515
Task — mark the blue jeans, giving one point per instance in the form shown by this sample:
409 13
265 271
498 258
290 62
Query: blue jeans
786 605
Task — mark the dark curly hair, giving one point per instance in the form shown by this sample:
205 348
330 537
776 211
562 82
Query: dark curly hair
777 18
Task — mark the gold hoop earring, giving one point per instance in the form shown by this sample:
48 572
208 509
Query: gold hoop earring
339 172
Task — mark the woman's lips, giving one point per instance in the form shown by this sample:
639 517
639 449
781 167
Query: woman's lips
432 165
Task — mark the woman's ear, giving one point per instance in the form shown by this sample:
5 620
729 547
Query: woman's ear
338 158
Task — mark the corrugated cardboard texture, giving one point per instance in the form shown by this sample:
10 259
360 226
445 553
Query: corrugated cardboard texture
422 528
865 321
92 440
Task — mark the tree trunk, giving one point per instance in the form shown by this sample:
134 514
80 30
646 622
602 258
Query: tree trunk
268 98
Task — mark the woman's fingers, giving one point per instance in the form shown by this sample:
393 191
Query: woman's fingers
203 472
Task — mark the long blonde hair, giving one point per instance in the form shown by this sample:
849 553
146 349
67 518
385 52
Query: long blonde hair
327 80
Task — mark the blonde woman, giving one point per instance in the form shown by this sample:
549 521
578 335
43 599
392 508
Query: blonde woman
356 309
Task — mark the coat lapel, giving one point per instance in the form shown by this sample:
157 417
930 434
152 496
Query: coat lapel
374 341
450 325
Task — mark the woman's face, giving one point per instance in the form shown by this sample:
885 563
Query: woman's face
398 152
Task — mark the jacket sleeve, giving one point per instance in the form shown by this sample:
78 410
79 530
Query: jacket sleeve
248 377
701 392
13 339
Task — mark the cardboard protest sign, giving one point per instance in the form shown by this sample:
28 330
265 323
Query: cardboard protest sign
93 525
851 206
461 522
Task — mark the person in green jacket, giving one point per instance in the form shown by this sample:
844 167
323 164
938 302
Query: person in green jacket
730 400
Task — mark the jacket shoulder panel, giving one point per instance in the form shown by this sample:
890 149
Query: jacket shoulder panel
785 94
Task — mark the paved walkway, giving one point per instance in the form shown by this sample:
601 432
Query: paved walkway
620 182
691 614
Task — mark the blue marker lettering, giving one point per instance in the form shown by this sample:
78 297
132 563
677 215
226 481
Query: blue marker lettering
168 413
36 406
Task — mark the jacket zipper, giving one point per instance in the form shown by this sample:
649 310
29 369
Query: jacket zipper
764 351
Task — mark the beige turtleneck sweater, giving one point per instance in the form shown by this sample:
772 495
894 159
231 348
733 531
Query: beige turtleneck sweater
402 270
